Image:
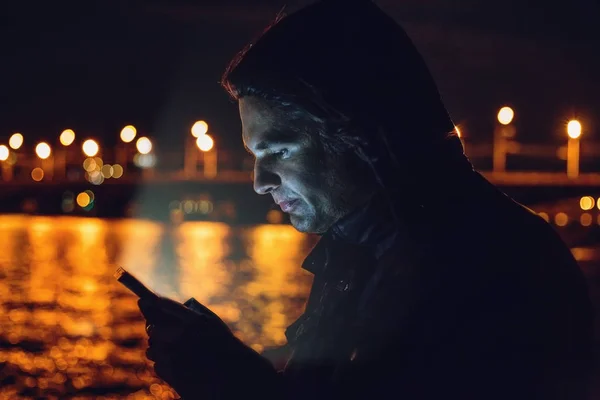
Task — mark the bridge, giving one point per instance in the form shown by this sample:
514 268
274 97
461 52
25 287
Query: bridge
229 196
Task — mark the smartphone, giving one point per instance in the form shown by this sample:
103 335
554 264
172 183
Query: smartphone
134 284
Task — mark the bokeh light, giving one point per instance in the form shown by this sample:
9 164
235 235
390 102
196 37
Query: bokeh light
144 160
586 203
37 174
205 143
43 150
89 164
4 153
506 115
15 141
143 145
107 171
95 177
586 219
83 199
117 171
67 137
561 219
128 133
199 128
574 129
90 148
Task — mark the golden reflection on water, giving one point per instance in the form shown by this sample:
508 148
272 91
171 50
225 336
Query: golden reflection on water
69 330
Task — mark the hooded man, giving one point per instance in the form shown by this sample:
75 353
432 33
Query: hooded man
429 282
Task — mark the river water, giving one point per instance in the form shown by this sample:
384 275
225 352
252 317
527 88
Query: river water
68 330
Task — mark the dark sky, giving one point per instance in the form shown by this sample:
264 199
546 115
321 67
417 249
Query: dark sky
95 66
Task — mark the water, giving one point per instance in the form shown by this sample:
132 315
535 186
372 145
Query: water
68 330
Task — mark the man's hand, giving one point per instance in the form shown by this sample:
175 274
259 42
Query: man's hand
196 353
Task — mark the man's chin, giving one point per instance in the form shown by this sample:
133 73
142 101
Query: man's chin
305 225
300 223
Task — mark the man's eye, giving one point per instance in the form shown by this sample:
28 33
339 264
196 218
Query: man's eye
283 153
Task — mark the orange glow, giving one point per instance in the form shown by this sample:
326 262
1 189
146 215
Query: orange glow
43 150
107 171
90 327
67 137
15 141
90 148
4 153
128 133
544 216
199 128
117 171
561 219
89 164
506 115
205 143
143 145
37 174
586 203
586 219
83 199
574 129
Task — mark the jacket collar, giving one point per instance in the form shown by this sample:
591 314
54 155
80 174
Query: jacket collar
369 229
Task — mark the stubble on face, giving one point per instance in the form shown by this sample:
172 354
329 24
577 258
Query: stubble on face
321 180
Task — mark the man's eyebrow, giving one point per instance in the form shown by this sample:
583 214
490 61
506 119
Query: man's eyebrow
270 139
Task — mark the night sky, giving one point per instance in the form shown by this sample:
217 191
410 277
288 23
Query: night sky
96 66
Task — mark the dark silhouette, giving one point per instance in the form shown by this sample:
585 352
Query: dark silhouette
429 282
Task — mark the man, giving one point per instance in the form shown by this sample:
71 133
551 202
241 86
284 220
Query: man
429 282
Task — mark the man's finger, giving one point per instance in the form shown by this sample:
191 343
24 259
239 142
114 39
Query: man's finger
175 309
149 309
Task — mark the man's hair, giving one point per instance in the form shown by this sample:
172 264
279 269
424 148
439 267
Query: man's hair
349 71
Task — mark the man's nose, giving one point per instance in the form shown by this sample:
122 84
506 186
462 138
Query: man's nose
265 181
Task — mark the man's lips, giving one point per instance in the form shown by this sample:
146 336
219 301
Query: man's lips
286 206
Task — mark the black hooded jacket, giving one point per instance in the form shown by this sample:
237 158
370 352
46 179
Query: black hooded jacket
471 296
440 287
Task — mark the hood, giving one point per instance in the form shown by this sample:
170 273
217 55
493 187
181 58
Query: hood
353 62
350 59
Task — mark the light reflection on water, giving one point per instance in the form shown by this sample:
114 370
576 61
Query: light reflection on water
69 330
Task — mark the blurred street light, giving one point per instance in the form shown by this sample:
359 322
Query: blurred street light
90 148
199 128
37 174
574 129
4 153
502 134
128 133
7 167
205 143
43 150
67 137
506 115
15 141
143 145
574 134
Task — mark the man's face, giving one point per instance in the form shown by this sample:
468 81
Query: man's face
304 181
